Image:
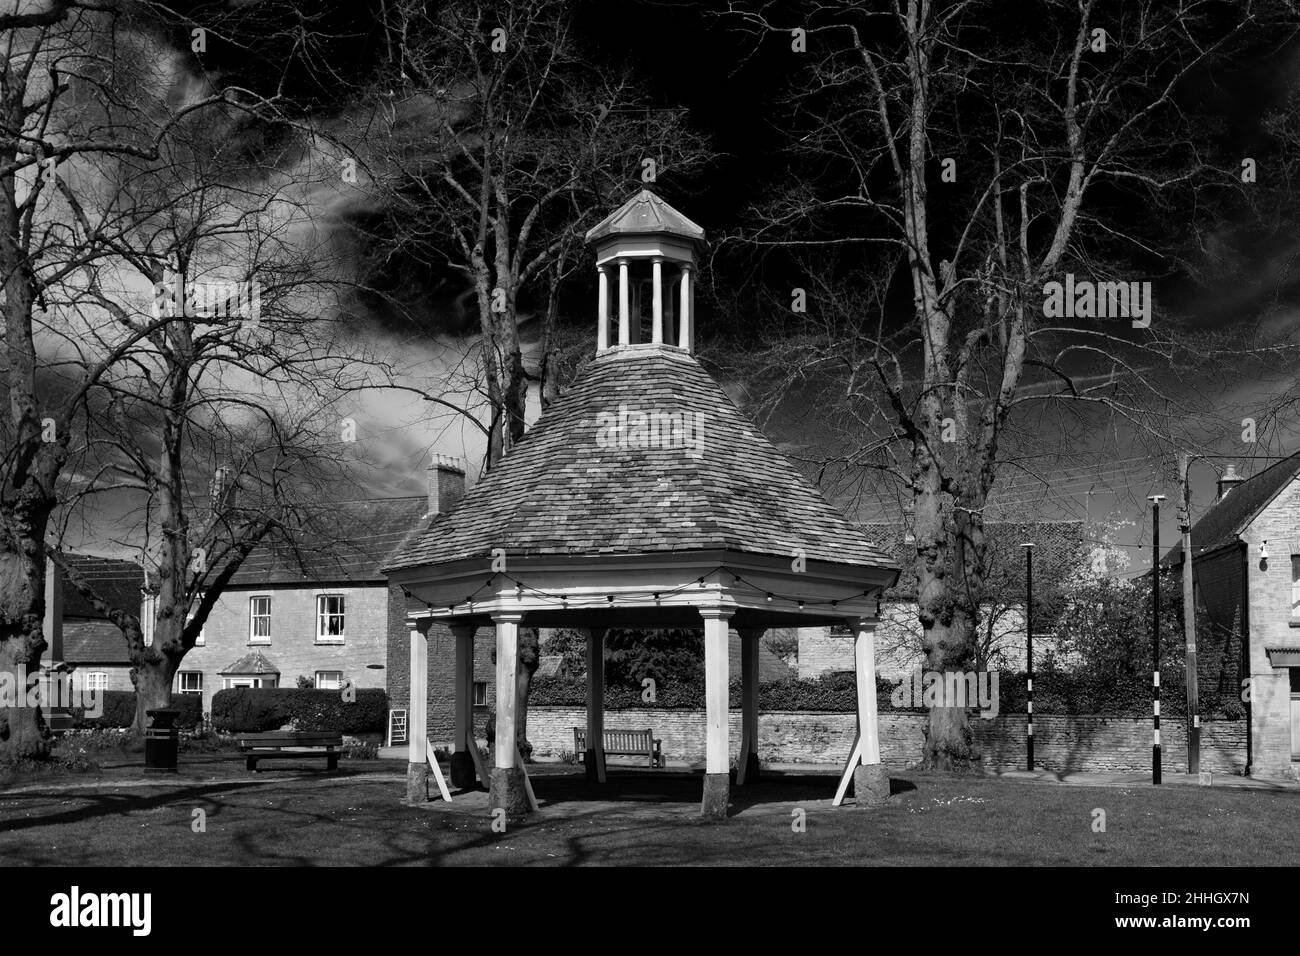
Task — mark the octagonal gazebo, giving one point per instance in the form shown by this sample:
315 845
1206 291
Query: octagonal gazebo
642 498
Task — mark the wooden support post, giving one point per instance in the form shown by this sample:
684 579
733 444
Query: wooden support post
624 307
437 772
417 720
870 781
657 301
684 317
465 758
854 761
594 758
602 310
717 778
747 769
508 788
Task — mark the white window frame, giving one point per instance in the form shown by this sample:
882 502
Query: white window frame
484 701
180 682
254 617
338 683
322 616
97 681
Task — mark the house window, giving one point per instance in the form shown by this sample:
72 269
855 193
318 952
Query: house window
1295 587
329 618
228 682
189 682
329 680
97 681
259 619
480 693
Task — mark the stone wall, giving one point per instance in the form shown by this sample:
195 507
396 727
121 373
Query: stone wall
1080 743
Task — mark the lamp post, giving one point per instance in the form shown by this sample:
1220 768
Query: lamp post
1155 636
1029 654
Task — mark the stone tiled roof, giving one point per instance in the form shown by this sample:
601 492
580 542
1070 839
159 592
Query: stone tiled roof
93 642
564 490
354 541
115 580
645 213
254 662
1232 514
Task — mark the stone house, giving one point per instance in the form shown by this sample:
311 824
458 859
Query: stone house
1246 583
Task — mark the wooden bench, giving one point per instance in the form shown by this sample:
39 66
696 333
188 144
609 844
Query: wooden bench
623 743
288 745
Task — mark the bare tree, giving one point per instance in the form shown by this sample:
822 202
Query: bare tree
82 88
964 155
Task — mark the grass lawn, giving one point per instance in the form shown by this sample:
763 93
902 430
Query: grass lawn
299 815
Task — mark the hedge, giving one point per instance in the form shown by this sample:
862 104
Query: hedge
1054 693
257 709
119 711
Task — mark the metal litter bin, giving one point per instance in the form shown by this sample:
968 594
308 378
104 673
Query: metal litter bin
161 741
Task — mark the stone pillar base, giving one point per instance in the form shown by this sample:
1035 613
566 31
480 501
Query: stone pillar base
752 769
463 776
417 783
717 791
506 792
870 785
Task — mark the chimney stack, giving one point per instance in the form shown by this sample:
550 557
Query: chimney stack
222 491
446 484
1229 480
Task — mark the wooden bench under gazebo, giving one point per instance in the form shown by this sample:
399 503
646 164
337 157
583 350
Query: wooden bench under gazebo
643 498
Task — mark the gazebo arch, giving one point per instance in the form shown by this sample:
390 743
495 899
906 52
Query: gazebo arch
642 498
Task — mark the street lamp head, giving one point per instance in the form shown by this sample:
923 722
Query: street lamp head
1027 544
1156 498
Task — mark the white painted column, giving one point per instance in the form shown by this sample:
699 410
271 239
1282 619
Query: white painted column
717 757
507 625
624 332
749 638
657 317
685 335
602 310
596 703
463 704
417 711
864 660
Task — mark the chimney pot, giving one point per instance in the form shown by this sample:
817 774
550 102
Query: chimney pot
446 484
1229 480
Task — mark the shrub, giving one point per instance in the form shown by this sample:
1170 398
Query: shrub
119 711
257 709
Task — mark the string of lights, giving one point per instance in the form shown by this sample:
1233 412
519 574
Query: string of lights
639 596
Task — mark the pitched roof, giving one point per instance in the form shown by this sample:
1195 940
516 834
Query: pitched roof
361 537
1058 548
573 485
1232 514
93 642
253 662
645 213
117 581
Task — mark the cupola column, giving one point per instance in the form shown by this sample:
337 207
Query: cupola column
685 319
657 318
624 289
602 310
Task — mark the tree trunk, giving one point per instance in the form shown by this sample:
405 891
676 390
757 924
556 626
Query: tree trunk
528 661
153 688
23 733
